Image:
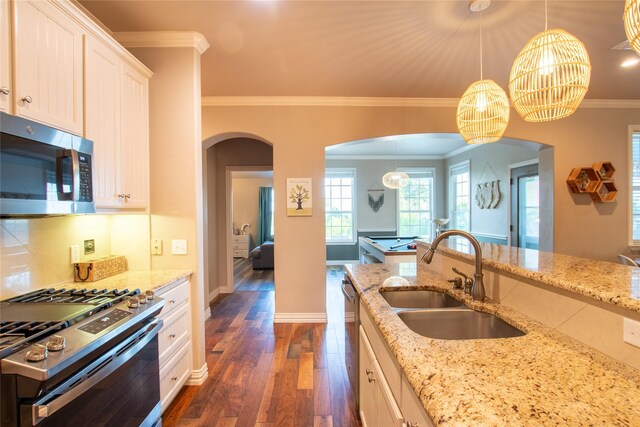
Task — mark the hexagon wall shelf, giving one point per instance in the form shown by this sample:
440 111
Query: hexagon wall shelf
597 181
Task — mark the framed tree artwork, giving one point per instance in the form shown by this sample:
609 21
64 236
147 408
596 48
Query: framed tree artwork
299 197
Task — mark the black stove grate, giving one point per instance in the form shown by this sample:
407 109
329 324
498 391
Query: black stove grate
15 334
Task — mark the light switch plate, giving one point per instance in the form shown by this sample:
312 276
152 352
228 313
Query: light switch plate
156 246
631 332
179 247
74 252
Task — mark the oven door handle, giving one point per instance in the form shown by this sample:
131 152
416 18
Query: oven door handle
93 373
347 295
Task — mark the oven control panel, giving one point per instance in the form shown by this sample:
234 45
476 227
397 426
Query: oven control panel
104 321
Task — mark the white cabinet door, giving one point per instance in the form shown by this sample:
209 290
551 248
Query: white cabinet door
5 58
104 69
367 386
48 65
134 143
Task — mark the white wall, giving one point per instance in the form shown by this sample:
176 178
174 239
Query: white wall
245 201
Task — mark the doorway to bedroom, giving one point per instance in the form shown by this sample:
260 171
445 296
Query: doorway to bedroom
252 229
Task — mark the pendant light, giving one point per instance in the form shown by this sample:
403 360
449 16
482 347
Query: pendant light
631 19
550 76
395 179
483 110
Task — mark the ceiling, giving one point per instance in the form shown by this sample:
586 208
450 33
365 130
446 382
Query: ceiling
425 49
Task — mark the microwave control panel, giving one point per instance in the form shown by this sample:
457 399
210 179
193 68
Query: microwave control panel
86 190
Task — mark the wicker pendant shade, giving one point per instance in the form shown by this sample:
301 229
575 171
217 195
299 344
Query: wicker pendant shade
483 113
395 179
631 19
549 77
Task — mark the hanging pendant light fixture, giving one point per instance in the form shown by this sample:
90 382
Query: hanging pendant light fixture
483 110
550 76
631 19
395 179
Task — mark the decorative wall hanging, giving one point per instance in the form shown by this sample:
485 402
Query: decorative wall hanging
299 197
596 180
375 197
488 195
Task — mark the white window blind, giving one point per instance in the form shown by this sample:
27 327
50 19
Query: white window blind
339 194
460 196
635 187
416 203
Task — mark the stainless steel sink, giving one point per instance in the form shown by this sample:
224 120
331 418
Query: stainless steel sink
419 299
458 324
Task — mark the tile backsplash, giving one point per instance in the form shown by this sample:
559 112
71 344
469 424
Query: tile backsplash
35 253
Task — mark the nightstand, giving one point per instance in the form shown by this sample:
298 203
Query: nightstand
242 245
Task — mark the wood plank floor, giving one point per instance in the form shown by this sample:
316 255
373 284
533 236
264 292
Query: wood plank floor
245 278
266 374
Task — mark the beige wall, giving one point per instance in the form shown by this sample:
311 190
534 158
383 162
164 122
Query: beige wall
224 155
245 202
176 169
299 135
34 253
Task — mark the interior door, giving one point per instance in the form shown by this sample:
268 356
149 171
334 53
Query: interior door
525 207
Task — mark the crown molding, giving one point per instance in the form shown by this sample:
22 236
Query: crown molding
324 101
338 101
163 39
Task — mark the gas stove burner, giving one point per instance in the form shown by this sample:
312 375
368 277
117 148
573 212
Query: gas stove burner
35 315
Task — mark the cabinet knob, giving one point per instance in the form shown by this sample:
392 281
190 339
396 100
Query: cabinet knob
27 99
172 336
124 196
174 378
4 90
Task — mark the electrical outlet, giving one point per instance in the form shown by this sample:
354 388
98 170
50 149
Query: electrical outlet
74 250
156 246
631 332
179 247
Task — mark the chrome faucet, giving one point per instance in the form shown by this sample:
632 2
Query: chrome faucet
477 289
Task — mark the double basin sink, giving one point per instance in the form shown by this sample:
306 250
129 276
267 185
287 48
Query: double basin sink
437 315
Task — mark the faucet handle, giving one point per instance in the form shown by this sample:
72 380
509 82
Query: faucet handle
468 281
455 270
457 282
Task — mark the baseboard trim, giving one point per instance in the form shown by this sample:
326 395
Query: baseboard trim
226 289
340 262
300 318
207 314
198 376
213 294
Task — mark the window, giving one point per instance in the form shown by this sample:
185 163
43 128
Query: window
339 196
415 203
635 186
460 196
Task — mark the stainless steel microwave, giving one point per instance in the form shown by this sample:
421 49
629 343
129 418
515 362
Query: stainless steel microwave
43 170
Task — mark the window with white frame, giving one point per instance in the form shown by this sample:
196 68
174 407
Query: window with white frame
416 203
339 196
635 186
460 196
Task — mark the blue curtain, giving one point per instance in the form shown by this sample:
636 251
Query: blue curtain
264 215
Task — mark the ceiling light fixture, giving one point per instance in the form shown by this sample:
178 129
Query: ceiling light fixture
483 110
630 62
550 76
395 179
631 18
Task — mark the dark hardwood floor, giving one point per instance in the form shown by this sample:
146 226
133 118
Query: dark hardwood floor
266 374
245 278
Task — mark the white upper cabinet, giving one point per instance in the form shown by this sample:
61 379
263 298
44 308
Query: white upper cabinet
48 65
104 69
117 109
5 57
134 143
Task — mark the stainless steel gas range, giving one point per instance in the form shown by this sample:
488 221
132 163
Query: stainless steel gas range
80 357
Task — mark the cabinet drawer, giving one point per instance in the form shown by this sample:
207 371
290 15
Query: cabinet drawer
240 254
174 374
412 408
174 333
174 298
241 246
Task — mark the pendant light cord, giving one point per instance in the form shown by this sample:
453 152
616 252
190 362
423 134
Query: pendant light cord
545 15
481 75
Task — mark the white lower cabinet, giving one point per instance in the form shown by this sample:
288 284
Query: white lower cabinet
378 407
386 398
174 341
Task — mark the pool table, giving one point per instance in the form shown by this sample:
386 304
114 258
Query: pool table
390 249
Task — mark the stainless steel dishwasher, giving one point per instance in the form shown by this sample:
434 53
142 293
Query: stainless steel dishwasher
351 325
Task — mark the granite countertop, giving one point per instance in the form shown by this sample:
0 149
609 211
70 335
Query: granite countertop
541 378
601 280
144 280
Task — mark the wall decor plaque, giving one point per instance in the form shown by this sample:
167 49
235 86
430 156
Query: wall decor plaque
299 197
